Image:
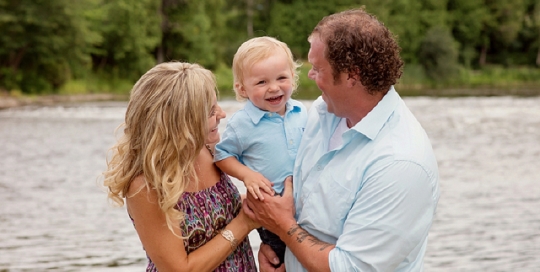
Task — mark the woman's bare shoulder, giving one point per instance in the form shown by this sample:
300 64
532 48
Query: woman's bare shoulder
136 186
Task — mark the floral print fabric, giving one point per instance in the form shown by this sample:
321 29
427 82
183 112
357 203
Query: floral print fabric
206 213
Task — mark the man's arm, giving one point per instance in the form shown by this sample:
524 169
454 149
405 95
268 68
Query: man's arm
277 215
388 222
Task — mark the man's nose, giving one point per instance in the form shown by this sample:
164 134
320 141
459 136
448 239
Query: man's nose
311 74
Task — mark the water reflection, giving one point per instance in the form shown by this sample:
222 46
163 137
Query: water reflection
55 216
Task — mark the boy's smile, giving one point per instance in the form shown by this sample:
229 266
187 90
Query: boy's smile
268 84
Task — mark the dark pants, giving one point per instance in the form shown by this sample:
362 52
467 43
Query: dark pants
274 242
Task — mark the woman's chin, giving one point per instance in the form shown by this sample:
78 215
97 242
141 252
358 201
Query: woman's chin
212 140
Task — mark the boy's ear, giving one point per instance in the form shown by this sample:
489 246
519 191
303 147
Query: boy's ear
240 89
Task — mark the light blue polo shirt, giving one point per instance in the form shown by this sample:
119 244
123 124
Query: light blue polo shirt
264 141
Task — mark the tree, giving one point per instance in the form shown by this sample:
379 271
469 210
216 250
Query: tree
532 27
42 42
131 32
500 28
293 21
467 24
438 54
193 31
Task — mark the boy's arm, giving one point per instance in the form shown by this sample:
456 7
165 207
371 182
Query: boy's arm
253 181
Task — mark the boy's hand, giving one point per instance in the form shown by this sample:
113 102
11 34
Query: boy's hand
255 182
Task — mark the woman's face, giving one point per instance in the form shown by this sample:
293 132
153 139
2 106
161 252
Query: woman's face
216 114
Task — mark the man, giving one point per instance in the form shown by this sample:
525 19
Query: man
365 177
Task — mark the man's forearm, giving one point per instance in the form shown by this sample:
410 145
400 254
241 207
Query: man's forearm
311 252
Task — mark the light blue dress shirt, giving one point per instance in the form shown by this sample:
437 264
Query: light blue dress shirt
264 141
375 196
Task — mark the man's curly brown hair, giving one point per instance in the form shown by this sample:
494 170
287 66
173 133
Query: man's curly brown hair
360 45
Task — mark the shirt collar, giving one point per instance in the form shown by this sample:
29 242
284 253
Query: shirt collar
374 121
256 114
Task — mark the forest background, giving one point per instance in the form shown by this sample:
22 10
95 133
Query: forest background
450 47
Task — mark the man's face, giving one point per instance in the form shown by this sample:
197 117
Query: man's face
321 73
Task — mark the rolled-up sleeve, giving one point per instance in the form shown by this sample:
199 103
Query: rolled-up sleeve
389 220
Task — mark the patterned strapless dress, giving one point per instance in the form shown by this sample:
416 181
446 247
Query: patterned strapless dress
206 213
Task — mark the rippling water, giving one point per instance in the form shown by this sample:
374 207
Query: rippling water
54 215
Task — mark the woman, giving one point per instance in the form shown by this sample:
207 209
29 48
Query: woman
187 212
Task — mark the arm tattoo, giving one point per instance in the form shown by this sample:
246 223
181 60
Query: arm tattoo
293 230
302 235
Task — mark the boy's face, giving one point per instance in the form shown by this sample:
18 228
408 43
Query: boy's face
268 84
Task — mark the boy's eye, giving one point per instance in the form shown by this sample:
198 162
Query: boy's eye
260 82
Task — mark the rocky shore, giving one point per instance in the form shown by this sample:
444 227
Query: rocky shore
10 101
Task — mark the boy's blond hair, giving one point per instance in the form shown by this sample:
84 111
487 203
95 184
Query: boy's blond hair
255 50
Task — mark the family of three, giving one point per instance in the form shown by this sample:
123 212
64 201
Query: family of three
350 185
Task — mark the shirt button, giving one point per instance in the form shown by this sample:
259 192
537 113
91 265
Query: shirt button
270 114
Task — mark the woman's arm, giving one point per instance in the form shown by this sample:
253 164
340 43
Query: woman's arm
167 250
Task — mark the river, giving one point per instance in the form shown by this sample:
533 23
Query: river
54 214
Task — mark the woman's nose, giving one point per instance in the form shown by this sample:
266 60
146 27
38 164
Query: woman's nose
221 113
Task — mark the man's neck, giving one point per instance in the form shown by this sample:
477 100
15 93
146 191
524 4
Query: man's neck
362 106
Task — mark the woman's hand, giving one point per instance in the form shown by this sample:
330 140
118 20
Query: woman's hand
248 221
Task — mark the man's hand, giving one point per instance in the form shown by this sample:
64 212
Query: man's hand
275 213
267 259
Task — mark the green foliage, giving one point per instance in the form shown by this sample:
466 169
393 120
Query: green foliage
130 31
307 89
293 27
41 42
193 31
467 24
66 46
224 78
97 83
438 54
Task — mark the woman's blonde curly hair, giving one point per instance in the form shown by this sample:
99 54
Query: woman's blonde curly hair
165 128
